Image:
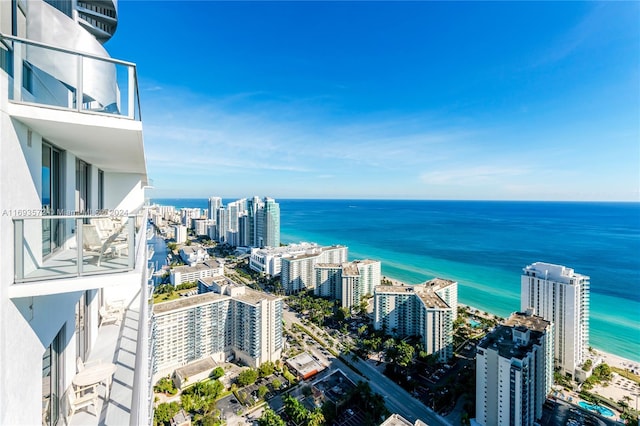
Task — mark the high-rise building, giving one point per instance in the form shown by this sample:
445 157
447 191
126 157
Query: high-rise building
348 281
297 271
180 233
271 235
225 320
561 296
73 271
214 204
514 371
269 259
427 310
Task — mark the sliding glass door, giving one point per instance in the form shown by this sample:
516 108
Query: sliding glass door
51 196
52 380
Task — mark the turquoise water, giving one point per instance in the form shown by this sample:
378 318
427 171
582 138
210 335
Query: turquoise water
473 323
597 408
484 246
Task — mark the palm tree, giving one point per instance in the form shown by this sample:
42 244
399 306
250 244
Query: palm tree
315 418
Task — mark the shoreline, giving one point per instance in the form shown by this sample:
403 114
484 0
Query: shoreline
611 359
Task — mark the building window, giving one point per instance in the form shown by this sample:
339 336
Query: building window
52 380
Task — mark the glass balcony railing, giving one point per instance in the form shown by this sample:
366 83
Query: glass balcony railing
50 247
47 75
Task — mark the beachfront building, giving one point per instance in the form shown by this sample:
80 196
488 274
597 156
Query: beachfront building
188 274
348 282
269 259
73 228
270 235
297 270
560 295
427 310
514 371
246 222
225 320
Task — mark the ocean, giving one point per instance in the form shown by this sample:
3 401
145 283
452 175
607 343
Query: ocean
484 245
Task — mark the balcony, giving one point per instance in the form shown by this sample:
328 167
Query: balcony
43 74
81 251
84 103
128 345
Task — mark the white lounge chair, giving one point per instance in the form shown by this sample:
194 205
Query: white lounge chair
80 398
109 317
92 244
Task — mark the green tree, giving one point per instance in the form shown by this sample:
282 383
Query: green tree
262 391
165 385
405 354
315 418
270 418
277 384
216 373
294 409
164 413
247 377
201 396
267 369
603 372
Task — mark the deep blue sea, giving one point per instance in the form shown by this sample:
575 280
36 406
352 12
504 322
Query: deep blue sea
484 246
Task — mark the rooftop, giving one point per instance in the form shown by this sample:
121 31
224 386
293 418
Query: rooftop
501 338
305 365
187 302
209 264
238 291
350 268
426 291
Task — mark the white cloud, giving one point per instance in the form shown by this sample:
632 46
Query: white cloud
472 175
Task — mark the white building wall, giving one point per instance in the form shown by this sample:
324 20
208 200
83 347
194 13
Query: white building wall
561 296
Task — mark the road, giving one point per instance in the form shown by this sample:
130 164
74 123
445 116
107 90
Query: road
397 399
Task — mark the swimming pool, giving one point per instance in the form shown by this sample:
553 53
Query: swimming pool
597 408
473 323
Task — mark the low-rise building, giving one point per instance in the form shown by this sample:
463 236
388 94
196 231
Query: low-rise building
193 254
184 274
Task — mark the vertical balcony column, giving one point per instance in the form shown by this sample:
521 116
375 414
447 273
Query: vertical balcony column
18 256
17 69
131 84
79 88
79 246
131 251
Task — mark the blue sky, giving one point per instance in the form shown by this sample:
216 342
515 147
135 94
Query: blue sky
412 100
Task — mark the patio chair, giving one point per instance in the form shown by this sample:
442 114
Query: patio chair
115 307
81 365
108 228
107 317
92 244
80 398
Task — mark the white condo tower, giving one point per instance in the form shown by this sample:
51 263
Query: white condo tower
73 264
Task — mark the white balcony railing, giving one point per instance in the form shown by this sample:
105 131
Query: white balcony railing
50 247
43 74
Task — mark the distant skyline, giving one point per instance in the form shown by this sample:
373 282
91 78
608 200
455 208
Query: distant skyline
404 100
